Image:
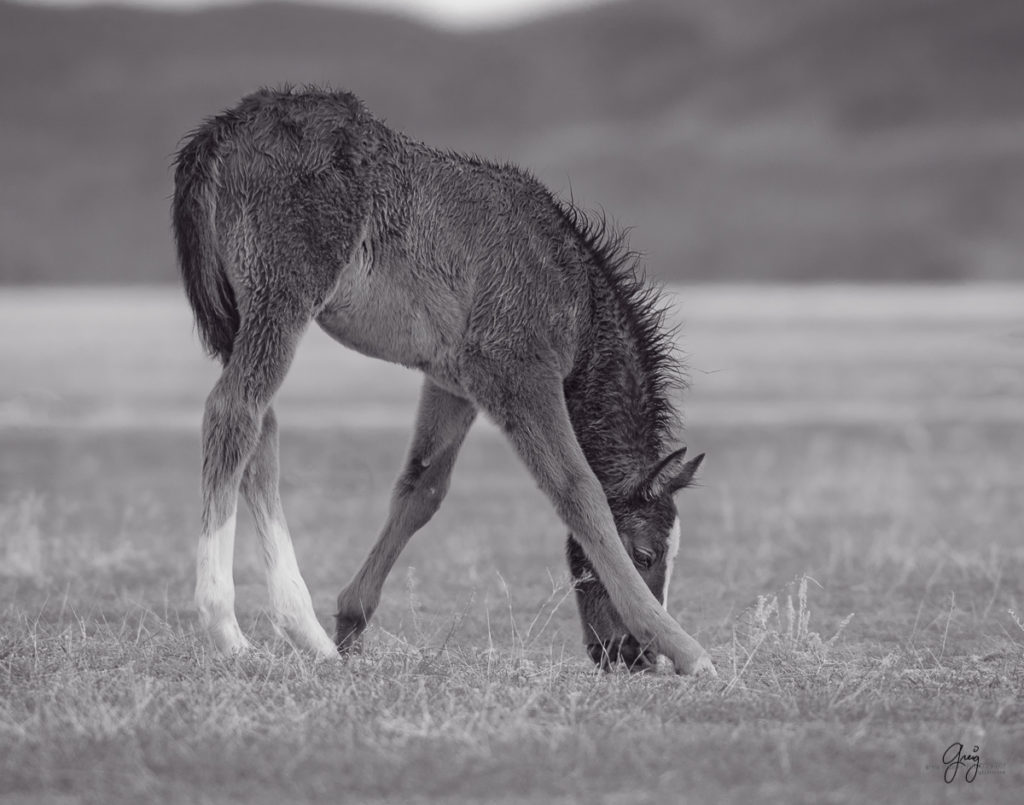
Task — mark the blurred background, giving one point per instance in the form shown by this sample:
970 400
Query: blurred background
833 190
817 140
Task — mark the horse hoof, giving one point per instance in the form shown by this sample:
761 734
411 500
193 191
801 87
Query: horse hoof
348 634
704 667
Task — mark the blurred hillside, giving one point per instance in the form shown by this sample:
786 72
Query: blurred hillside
796 139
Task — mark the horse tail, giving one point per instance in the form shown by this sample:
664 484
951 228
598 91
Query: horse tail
193 216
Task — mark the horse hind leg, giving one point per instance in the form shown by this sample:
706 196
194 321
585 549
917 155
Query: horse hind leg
232 424
230 431
283 254
290 602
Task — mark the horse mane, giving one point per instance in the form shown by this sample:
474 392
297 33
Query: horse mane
645 309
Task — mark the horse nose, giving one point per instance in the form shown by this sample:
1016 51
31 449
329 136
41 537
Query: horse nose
626 649
602 654
635 657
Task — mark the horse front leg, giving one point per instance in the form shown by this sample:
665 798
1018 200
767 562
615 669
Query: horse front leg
442 422
532 411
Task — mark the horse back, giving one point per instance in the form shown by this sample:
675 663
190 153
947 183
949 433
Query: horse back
409 254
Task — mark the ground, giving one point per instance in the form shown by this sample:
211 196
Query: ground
852 558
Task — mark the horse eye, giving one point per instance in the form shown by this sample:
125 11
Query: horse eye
643 557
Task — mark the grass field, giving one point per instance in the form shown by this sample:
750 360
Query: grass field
865 454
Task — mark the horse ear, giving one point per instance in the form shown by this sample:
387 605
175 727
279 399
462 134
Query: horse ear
671 475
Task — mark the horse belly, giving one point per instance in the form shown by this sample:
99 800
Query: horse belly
381 316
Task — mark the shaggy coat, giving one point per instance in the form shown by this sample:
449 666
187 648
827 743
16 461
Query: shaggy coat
299 206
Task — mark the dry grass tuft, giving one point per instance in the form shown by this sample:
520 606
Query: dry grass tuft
840 450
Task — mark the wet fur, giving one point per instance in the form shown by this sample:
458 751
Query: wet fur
299 205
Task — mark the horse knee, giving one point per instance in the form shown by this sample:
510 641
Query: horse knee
419 494
425 502
430 496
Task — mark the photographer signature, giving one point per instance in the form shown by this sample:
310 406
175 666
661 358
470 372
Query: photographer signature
955 757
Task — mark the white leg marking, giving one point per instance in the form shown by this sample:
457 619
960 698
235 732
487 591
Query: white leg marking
215 589
290 603
670 559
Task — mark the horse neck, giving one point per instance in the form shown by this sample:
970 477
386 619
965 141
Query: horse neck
617 400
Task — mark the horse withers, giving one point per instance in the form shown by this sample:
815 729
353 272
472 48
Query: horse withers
299 206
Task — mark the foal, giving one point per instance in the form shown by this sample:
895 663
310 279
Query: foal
299 206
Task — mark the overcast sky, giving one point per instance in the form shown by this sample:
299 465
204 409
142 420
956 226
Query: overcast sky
449 12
